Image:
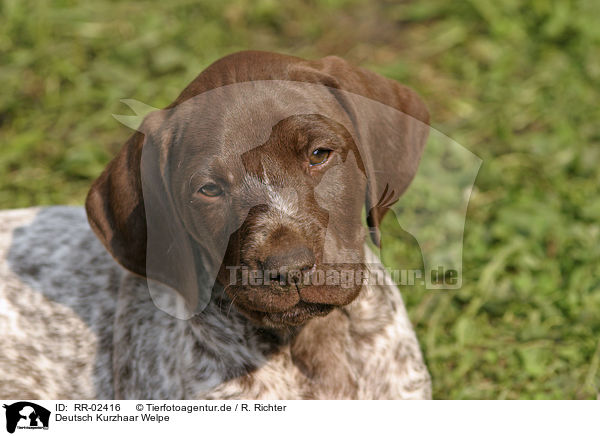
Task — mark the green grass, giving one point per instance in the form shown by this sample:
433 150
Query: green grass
514 81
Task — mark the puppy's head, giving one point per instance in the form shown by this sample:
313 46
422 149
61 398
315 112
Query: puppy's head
253 181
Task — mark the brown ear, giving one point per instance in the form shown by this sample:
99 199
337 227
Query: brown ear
115 207
131 210
391 123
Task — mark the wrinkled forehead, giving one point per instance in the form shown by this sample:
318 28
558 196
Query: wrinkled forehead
224 123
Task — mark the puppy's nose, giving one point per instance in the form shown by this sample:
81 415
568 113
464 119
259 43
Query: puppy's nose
287 263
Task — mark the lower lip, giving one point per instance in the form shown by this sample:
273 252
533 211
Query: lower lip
299 313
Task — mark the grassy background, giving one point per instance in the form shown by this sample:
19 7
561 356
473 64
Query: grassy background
514 81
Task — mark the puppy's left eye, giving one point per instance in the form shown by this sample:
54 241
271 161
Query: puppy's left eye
319 156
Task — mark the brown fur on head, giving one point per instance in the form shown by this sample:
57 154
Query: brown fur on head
226 177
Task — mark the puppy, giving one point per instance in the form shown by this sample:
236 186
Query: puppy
228 255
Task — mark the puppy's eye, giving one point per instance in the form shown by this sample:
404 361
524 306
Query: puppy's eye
319 156
211 190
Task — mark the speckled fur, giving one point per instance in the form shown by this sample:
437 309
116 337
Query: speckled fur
75 325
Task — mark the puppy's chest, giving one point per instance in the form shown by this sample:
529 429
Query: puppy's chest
290 374
366 350
324 361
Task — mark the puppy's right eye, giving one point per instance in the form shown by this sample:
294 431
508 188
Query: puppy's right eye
210 190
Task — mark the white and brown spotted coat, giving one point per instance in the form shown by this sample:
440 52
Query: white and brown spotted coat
77 325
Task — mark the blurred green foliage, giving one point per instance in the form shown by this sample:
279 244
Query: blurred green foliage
515 81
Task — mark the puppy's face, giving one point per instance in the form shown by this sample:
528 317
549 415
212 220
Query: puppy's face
281 213
254 180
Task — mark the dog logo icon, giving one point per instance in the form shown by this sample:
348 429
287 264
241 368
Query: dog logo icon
26 415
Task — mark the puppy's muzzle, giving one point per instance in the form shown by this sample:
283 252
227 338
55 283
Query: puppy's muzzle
288 265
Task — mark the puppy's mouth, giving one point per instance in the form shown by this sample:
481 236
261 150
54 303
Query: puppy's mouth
277 305
296 315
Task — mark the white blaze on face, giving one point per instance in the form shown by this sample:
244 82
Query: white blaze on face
283 200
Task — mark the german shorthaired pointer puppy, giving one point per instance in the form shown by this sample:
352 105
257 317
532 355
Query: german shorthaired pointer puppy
263 164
